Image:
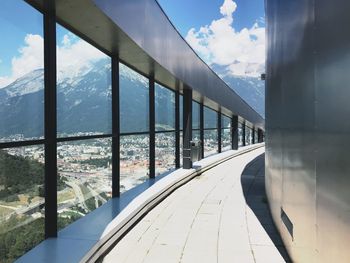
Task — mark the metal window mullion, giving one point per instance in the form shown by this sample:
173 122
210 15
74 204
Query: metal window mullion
201 128
187 128
115 128
234 132
50 119
152 134
243 133
219 131
177 129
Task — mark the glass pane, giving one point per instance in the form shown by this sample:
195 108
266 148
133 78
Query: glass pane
226 140
210 118
240 134
247 135
22 201
256 137
164 108
84 178
165 152
181 148
21 72
134 101
225 122
195 115
210 142
196 135
83 87
134 161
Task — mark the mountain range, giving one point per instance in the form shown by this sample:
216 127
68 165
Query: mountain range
84 101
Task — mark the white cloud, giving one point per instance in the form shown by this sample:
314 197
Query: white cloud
241 52
228 8
30 58
74 56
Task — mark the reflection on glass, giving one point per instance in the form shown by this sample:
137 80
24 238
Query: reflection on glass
196 135
195 115
21 72
84 178
181 148
134 101
240 134
226 140
210 142
83 87
21 201
164 109
210 118
256 137
165 152
225 122
134 161
248 136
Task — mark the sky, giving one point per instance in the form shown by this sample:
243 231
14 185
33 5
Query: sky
227 34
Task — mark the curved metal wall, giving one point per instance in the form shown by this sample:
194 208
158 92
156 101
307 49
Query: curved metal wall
307 142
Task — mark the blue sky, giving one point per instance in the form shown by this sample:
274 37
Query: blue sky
186 14
225 33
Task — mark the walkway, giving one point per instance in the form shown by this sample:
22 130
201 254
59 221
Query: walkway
208 220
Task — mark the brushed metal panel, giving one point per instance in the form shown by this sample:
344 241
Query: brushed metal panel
290 166
333 128
307 106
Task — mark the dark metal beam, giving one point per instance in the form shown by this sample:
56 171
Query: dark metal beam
219 131
177 129
50 119
115 128
201 123
243 133
253 136
187 128
234 132
152 133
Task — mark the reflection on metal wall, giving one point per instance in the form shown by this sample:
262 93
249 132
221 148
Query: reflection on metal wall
307 107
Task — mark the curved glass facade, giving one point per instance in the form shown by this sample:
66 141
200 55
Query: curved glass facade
109 130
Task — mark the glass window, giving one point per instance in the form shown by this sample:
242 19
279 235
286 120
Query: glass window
84 178
240 134
248 135
210 118
164 109
83 87
225 122
210 142
226 140
196 135
21 72
195 115
134 161
134 101
165 152
181 148
22 201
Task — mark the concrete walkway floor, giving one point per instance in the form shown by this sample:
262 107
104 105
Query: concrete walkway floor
220 216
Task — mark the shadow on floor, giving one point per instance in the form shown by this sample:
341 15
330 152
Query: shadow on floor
253 184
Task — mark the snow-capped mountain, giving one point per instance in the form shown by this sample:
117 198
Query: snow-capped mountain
84 101
251 89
